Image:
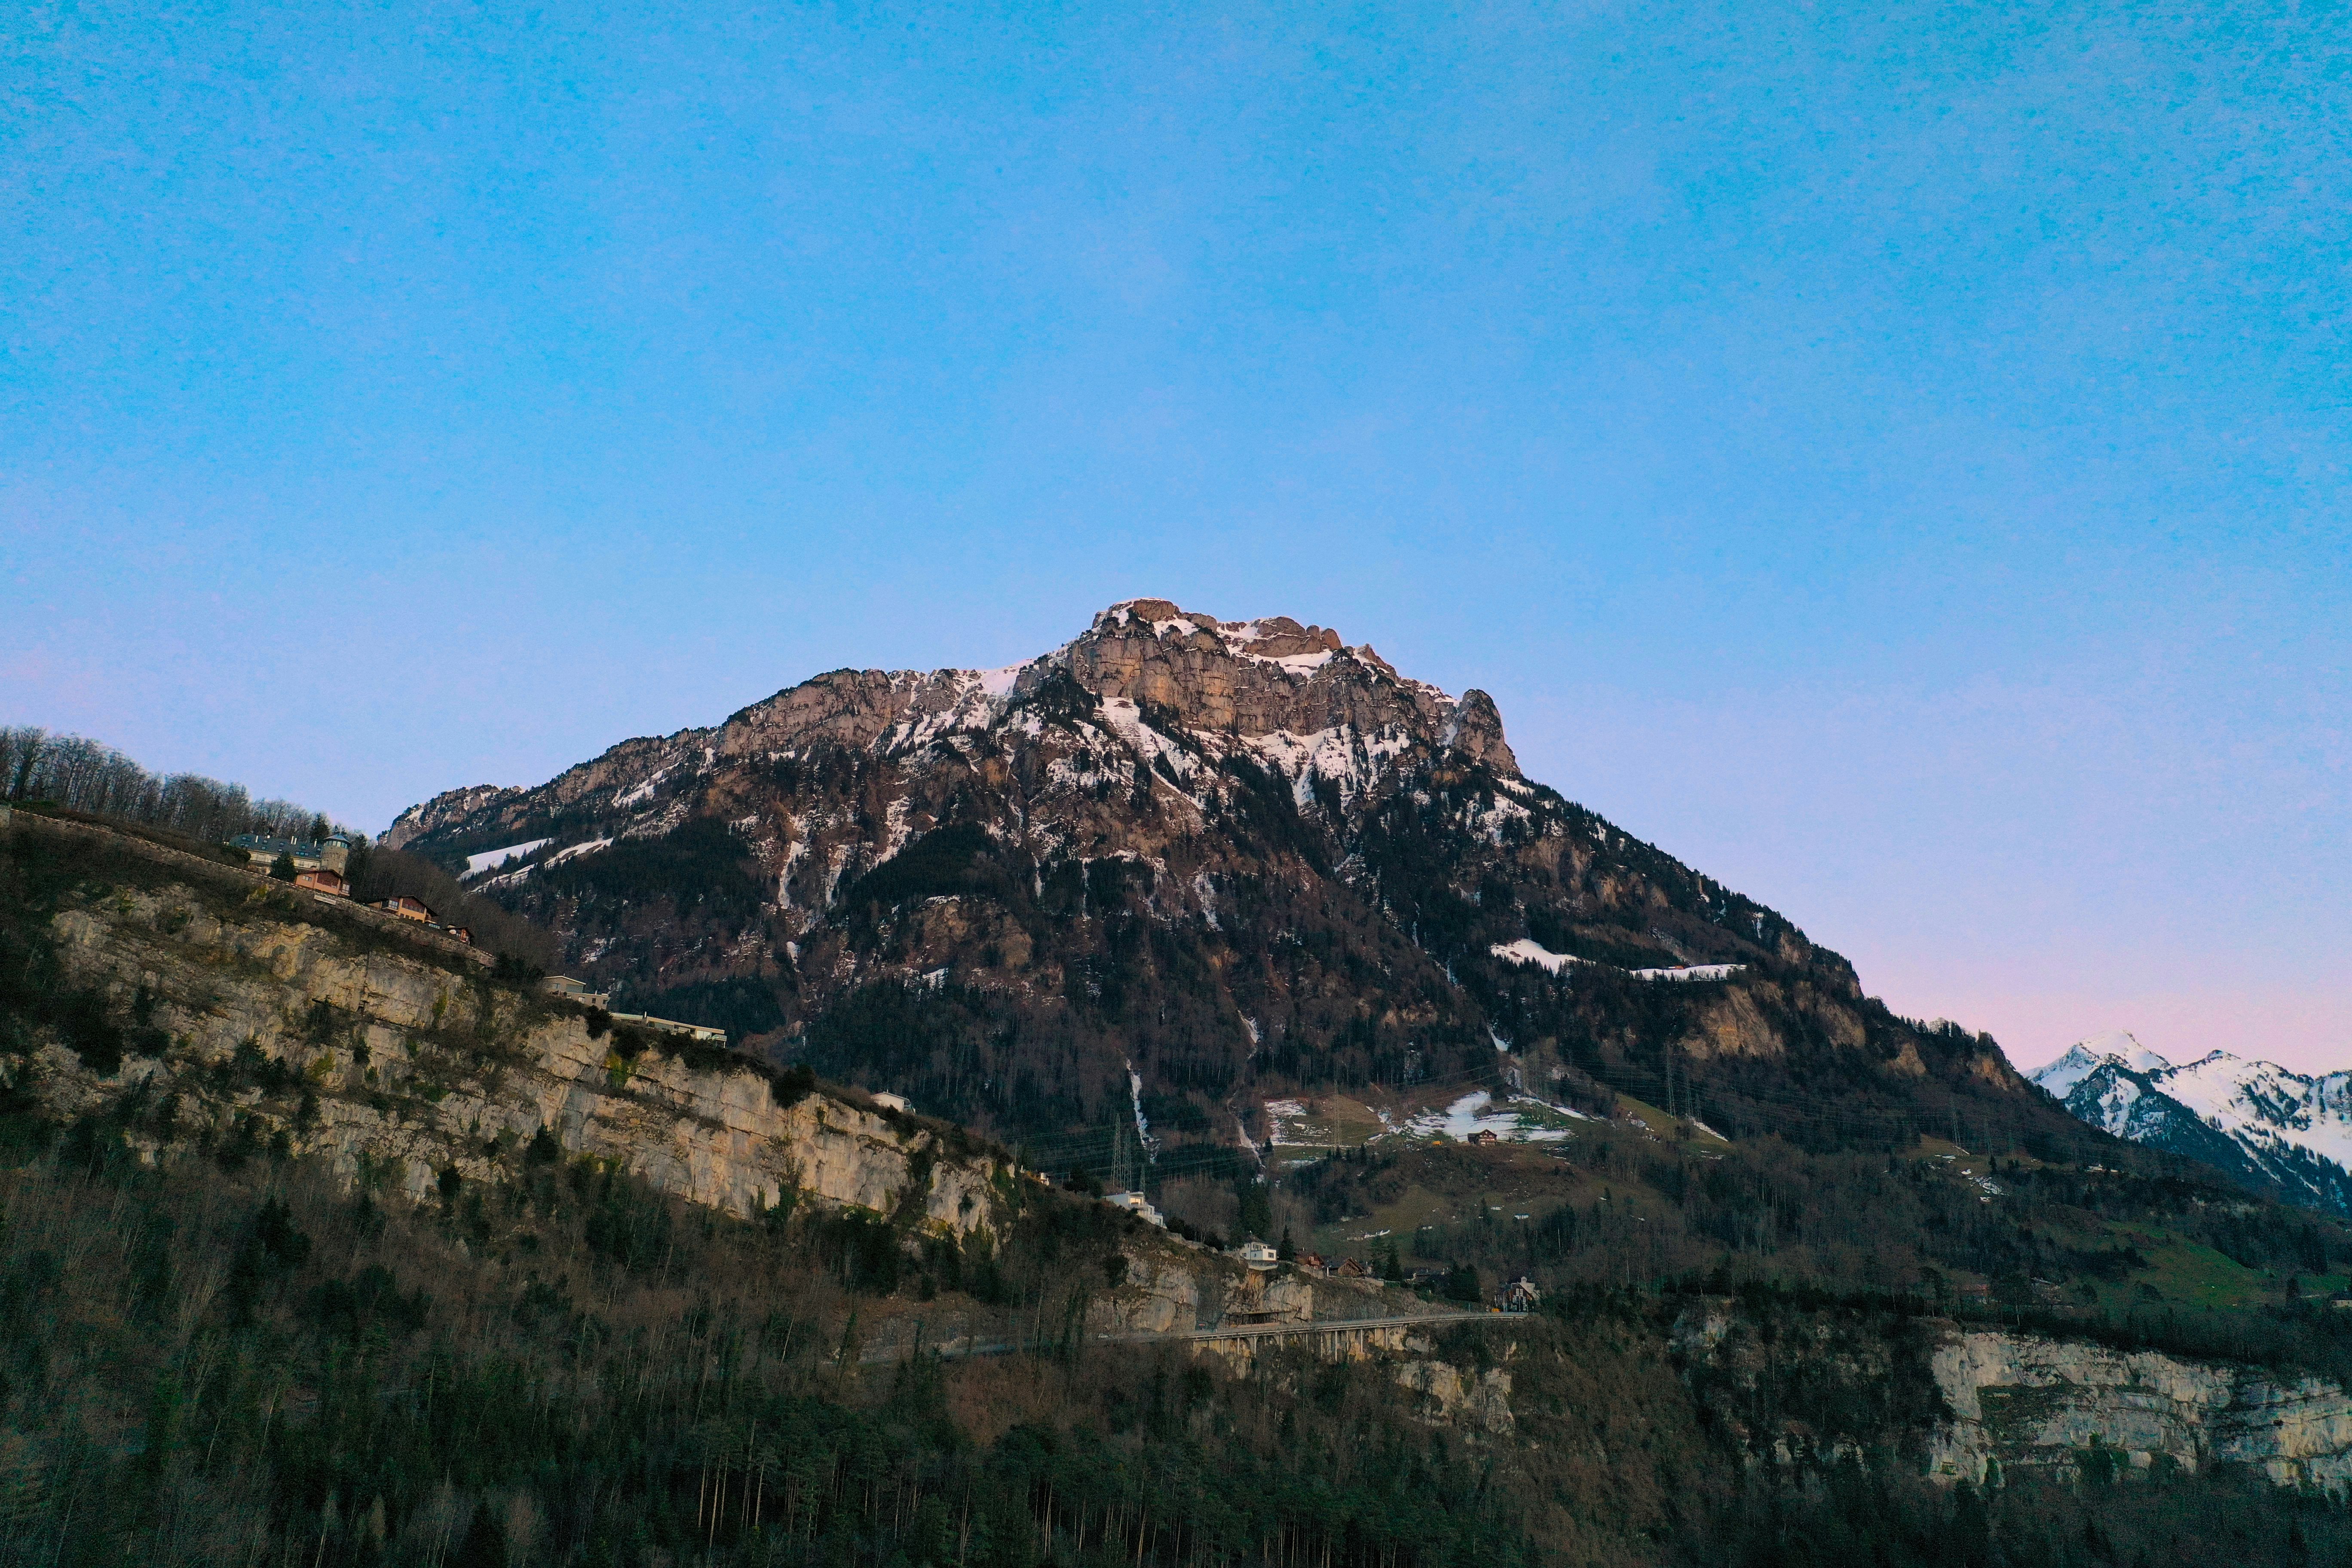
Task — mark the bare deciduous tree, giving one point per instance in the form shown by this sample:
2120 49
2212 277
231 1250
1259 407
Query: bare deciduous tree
86 775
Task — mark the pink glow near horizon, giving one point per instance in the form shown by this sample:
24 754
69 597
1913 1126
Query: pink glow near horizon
2305 1029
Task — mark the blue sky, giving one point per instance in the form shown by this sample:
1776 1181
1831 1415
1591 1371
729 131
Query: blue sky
1894 457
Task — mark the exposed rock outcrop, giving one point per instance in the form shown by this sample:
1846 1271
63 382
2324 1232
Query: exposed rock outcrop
269 1017
1256 677
1986 1404
1481 1400
2020 1404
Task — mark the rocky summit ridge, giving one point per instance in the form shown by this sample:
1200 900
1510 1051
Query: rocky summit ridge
1166 869
1295 693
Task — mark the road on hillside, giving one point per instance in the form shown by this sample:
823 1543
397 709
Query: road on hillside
950 1350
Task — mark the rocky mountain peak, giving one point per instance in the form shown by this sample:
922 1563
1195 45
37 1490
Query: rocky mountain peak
1267 676
1178 861
1295 693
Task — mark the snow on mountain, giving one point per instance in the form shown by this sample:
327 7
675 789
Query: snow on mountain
1527 952
2278 1129
491 859
2061 1075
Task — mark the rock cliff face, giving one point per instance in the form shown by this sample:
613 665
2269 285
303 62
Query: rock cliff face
1230 858
1465 1397
268 1017
2022 1403
1984 1406
1267 677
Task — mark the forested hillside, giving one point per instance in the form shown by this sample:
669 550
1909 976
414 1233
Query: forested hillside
226 1345
207 1365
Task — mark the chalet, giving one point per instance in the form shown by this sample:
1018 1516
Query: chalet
1521 1295
1483 1135
1138 1206
406 908
320 880
1351 1268
573 990
1312 1262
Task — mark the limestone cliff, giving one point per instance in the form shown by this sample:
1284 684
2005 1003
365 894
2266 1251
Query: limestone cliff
2020 1403
268 1017
1267 676
1463 1395
1983 1406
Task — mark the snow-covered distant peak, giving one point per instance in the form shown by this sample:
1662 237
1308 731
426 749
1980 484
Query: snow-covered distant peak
2060 1077
2219 1081
2280 1123
2123 1045
2113 1047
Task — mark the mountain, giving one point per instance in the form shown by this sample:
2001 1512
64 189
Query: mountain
2275 1130
1175 867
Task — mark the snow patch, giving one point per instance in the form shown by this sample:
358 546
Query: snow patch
1529 950
1142 1128
894 829
1286 1116
1298 664
1477 1112
644 791
1206 892
573 851
490 859
1126 720
1352 760
1490 823
784 872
